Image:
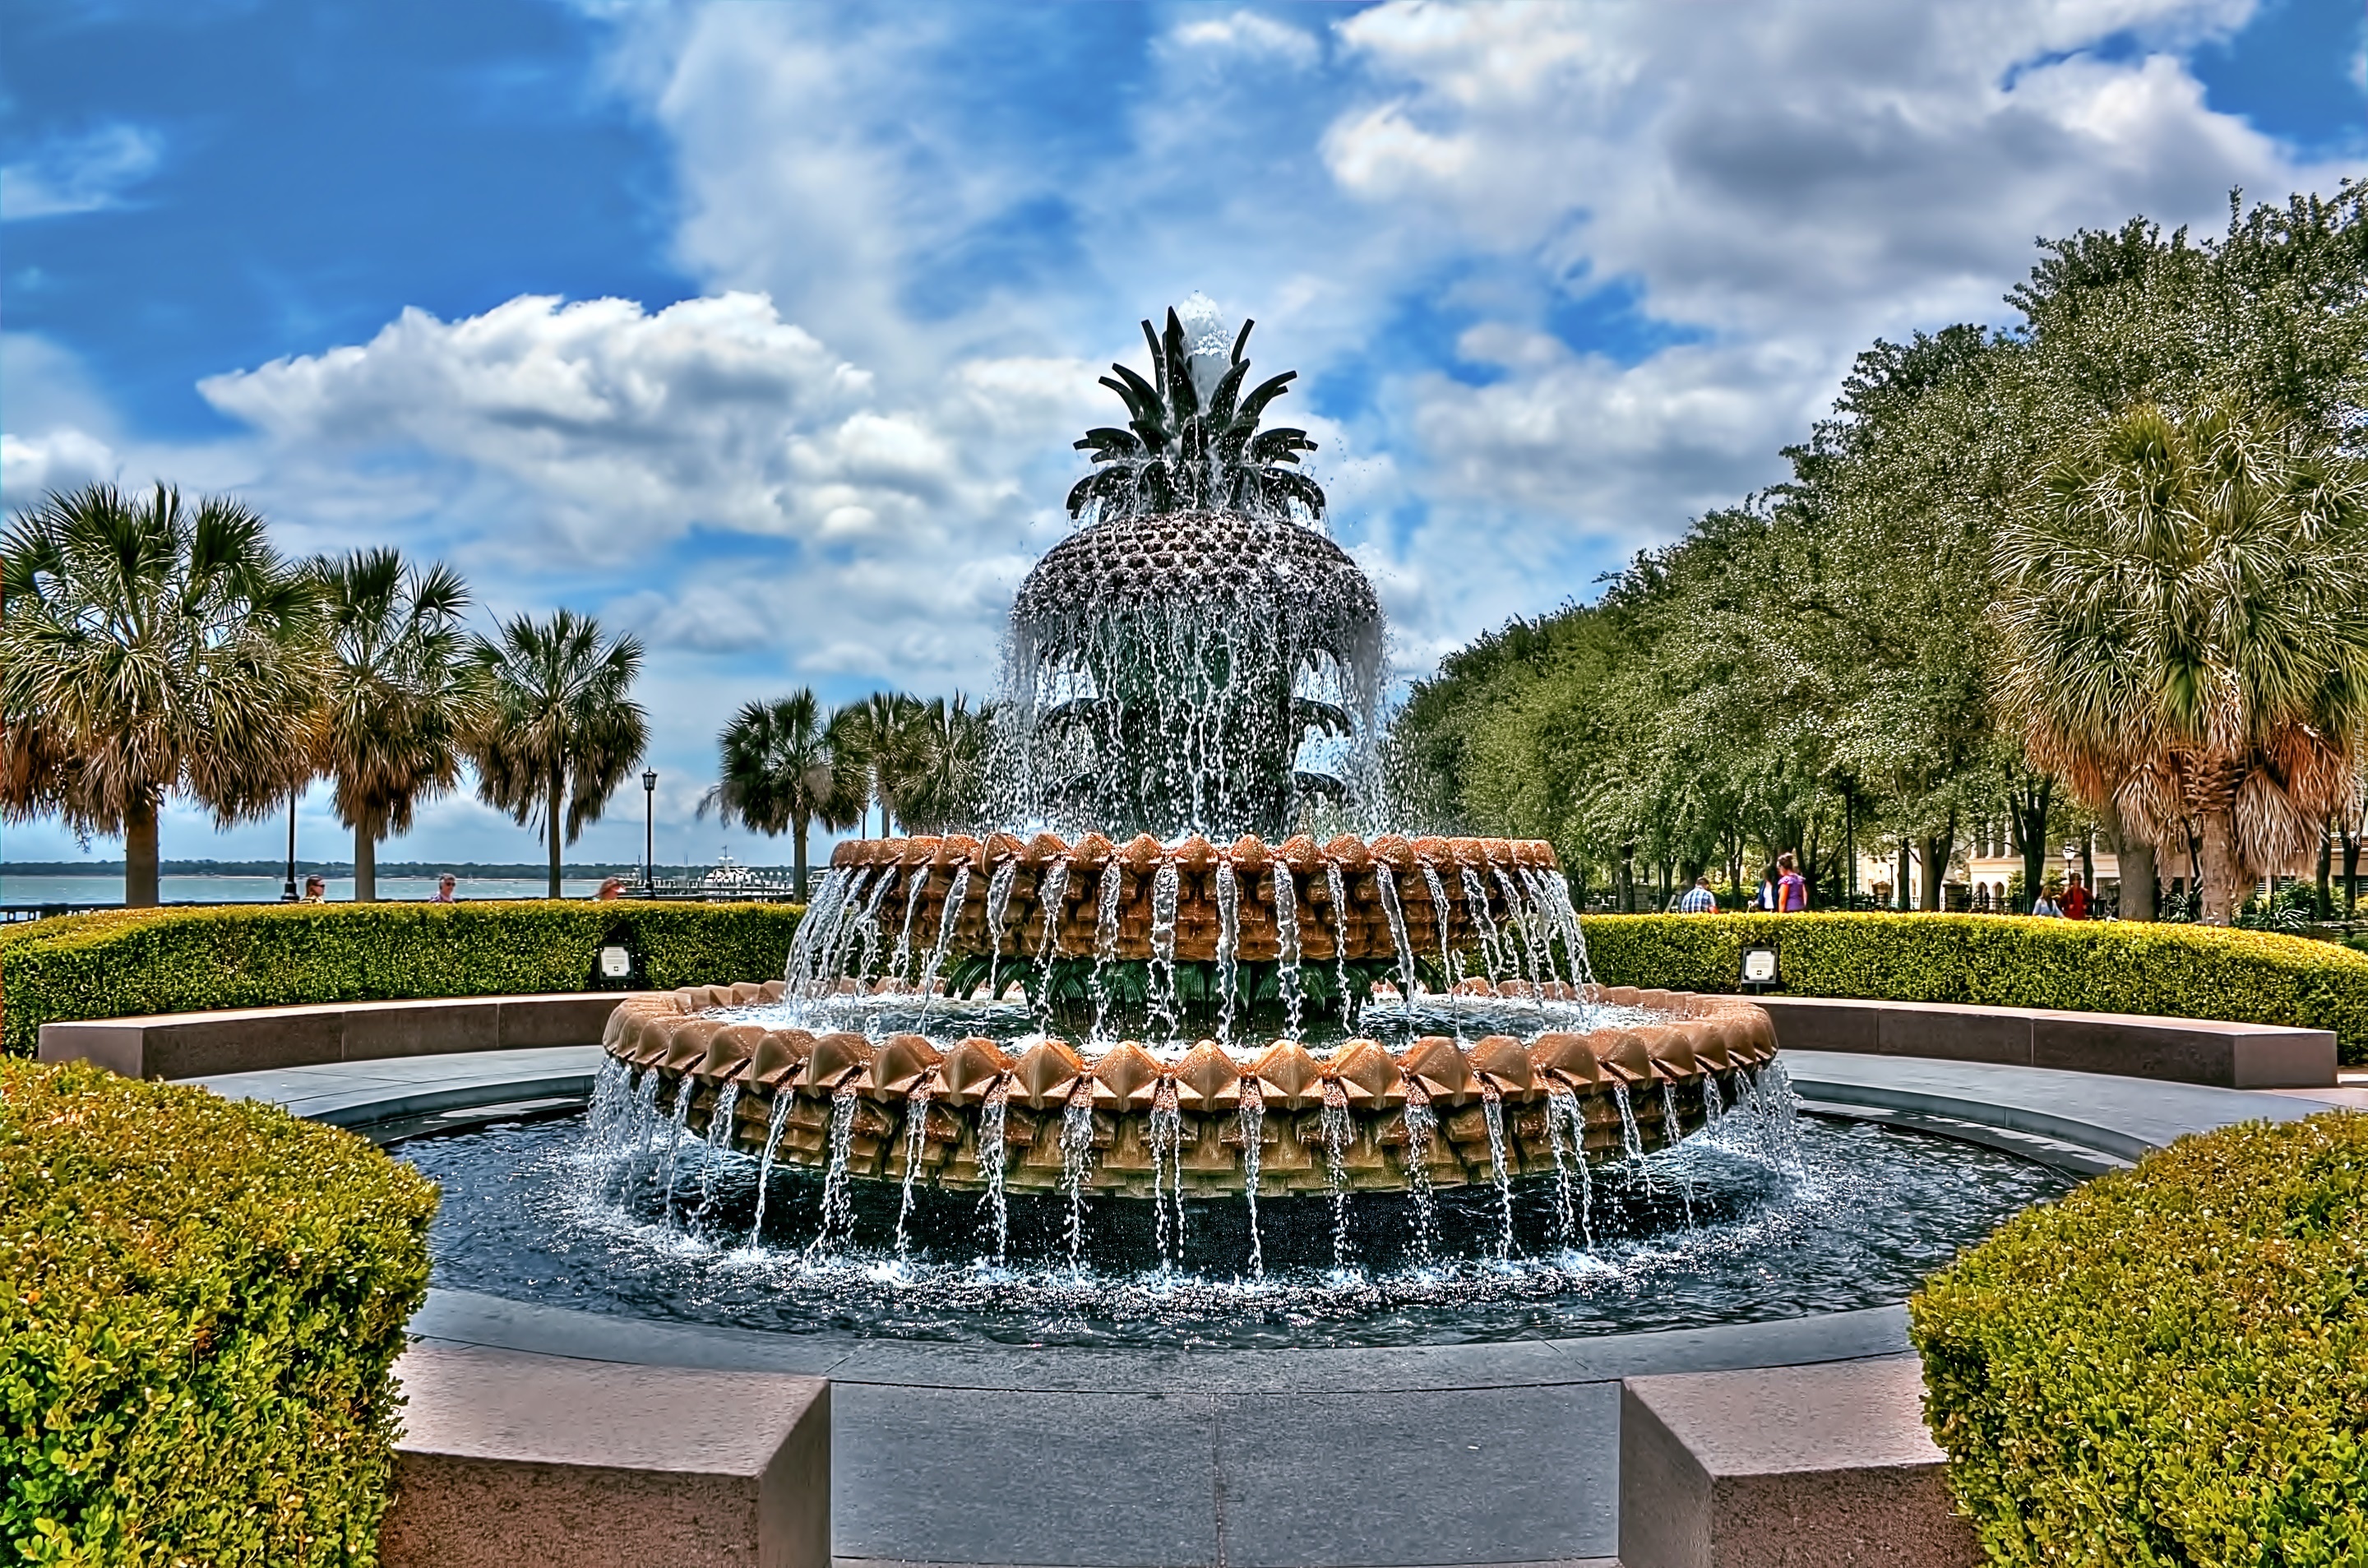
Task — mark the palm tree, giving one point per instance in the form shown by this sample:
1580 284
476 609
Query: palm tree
876 742
560 729
947 786
400 695
778 773
2186 616
147 647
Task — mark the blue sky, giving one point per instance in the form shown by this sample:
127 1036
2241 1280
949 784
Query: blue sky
763 330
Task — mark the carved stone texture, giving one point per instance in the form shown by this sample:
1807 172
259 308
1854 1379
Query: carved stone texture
1358 930
896 1077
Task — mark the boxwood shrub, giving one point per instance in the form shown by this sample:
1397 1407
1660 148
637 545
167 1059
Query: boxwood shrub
2190 971
2170 1366
122 963
201 1301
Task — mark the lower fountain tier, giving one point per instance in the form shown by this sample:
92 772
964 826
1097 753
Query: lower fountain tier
900 1102
1044 898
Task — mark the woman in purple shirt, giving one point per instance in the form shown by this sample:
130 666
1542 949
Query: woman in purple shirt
1791 887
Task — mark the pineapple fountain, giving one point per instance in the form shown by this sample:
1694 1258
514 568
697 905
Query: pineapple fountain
1188 973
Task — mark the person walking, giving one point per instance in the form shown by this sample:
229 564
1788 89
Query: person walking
317 890
1699 898
444 886
612 888
1791 887
2076 898
1765 899
2045 906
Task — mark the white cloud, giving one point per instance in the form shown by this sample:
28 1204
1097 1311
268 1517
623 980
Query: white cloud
79 174
1247 33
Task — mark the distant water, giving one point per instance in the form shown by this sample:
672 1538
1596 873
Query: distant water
267 890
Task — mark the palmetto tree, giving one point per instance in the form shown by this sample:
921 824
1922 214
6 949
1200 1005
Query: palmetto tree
946 788
2186 615
779 774
877 743
560 729
400 694
148 647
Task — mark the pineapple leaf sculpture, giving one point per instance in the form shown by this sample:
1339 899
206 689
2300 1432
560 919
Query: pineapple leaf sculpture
1192 442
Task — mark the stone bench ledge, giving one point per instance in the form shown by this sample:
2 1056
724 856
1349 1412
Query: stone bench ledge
1828 1463
247 1039
2190 1051
509 1458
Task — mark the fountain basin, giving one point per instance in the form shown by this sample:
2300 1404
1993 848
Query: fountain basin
1130 1119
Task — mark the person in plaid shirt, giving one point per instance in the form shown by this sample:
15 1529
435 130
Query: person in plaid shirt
1699 898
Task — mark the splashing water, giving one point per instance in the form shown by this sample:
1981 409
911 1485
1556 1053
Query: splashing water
1632 1142
719 1144
1566 1122
1537 962
1387 882
1286 935
1229 942
681 1119
917 1132
1107 893
990 1165
1492 1107
1475 899
1670 1126
1051 892
838 1211
1162 1004
947 922
1337 889
1449 969
1167 1152
782 1099
1338 1131
1420 1124
1253 1124
998 906
1076 1154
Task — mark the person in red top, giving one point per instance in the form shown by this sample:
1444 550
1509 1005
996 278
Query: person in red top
2076 898
1791 887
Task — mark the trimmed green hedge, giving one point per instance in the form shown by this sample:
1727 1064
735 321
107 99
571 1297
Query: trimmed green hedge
200 1302
2000 961
178 960
2170 1367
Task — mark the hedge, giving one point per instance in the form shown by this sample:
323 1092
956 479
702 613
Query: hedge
121 963
2190 971
200 1302
2170 1366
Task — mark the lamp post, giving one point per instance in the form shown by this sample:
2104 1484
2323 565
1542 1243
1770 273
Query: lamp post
288 893
649 830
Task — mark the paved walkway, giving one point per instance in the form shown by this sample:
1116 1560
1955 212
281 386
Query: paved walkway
965 1454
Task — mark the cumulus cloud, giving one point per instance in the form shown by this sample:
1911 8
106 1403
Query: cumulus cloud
84 173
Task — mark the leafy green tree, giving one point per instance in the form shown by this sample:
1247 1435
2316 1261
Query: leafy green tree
560 730
2186 620
779 774
148 647
400 694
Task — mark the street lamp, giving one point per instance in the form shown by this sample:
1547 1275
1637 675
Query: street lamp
288 893
649 830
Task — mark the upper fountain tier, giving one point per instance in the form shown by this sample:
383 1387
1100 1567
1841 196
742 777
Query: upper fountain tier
1170 660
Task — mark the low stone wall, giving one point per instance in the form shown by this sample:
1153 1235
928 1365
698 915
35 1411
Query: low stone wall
509 1460
2185 1051
247 1040
1827 1464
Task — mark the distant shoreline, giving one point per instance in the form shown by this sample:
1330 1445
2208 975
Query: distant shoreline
463 869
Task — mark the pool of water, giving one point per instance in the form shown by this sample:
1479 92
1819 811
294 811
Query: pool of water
1733 1226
